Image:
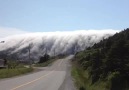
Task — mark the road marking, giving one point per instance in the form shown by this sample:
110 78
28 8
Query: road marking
60 62
31 81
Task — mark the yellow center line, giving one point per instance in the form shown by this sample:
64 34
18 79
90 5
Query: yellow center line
35 79
60 62
31 81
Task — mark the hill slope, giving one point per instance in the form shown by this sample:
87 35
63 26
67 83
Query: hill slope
106 63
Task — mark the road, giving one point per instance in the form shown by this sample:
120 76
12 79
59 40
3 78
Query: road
54 77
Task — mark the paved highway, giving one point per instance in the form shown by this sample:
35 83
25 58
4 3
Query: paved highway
55 77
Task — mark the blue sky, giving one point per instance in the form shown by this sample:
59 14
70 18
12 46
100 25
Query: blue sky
64 15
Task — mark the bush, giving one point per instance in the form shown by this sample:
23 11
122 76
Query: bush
44 58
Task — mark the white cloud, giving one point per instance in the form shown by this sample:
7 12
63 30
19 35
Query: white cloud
4 32
60 41
7 32
56 42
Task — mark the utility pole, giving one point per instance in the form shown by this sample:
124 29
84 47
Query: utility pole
75 48
29 56
54 51
30 62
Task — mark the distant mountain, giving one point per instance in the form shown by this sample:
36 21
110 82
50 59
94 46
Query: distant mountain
53 43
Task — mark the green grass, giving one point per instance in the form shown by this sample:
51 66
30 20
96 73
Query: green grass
79 78
6 73
83 82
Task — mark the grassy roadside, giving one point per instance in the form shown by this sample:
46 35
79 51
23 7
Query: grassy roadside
79 79
20 69
6 73
83 81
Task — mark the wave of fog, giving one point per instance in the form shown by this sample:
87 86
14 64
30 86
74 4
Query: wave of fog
53 43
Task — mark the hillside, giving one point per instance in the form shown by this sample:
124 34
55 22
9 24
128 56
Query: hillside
105 65
54 43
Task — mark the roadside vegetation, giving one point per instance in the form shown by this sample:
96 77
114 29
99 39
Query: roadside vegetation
83 81
46 60
13 68
105 65
46 63
6 73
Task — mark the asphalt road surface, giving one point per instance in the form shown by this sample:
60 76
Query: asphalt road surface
54 77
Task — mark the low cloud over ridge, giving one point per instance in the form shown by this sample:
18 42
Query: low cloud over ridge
55 42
